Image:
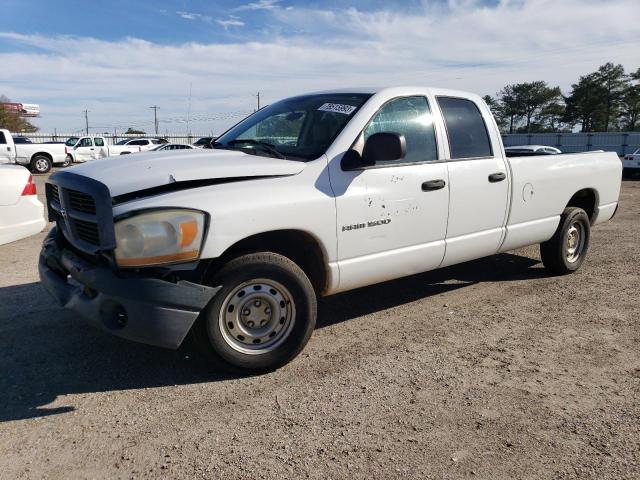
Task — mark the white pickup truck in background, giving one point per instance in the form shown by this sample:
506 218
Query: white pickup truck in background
312 195
631 163
38 157
84 149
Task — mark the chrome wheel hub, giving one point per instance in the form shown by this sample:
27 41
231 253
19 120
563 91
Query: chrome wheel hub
257 316
575 242
41 164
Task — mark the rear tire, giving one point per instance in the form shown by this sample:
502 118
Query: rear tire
40 164
567 249
261 318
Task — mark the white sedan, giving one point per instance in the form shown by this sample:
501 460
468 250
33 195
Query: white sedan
21 213
532 150
172 146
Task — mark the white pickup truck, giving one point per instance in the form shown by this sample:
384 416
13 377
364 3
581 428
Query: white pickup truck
84 149
312 195
631 163
38 157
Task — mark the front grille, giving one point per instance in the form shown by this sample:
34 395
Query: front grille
87 231
82 209
81 202
55 194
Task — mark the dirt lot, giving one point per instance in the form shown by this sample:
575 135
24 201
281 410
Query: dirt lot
491 369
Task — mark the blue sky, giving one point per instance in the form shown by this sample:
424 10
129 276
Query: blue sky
117 58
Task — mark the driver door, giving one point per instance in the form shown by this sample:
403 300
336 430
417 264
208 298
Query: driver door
392 217
84 150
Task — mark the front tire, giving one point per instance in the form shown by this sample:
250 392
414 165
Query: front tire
261 318
41 164
67 161
567 249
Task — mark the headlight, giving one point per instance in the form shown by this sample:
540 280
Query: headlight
159 237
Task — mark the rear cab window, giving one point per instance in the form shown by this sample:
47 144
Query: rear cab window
466 130
3 141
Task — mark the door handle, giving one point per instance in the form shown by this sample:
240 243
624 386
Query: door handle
497 177
433 185
91 149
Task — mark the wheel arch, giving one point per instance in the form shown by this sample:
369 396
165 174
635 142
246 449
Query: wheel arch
42 154
588 200
300 246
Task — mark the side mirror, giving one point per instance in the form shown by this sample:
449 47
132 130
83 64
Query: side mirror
384 147
379 147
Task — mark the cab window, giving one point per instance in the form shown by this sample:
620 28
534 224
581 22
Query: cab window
99 142
412 118
466 130
85 142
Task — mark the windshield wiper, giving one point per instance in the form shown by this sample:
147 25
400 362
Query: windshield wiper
268 147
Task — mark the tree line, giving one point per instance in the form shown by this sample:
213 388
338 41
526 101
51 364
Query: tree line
607 100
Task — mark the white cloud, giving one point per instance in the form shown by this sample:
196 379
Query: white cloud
194 16
461 45
232 21
259 5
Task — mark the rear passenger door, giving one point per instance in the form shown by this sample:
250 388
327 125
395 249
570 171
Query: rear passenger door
478 181
101 150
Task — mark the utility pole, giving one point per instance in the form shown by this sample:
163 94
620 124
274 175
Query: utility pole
258 95
189 113
155 117
86 120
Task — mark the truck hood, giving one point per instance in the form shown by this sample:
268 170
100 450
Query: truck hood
124 174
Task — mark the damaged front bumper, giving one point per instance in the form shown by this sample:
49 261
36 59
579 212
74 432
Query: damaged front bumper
147 310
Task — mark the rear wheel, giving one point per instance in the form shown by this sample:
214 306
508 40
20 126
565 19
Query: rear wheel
40 164
567 249
261 318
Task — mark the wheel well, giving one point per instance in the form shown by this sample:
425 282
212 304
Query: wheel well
300 247
42 154
585 199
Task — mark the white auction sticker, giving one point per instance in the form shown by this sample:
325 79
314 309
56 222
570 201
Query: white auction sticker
337 108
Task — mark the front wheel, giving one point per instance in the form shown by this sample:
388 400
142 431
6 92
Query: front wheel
40 164
567 249
67 161
261 318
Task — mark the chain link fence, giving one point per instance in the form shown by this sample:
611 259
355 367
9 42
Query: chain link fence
111 139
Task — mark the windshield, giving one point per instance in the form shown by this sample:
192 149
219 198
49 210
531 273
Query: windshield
298 127
72 141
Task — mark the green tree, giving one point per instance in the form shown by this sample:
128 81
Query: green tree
585 104
630 105
614 82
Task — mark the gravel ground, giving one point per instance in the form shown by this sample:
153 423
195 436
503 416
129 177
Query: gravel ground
491 369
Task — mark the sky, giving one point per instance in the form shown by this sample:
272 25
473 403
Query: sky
202 62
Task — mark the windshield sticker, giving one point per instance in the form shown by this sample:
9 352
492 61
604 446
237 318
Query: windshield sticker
337 108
